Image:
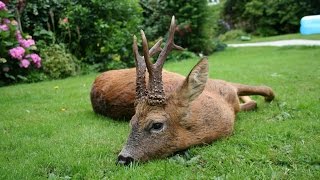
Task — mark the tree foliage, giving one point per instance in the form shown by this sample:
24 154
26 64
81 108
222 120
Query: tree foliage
191 15
98 32
268 17
101 31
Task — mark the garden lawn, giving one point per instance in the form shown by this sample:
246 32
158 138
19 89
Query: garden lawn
48 129
277 38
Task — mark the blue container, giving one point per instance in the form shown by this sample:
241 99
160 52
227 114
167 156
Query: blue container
310 25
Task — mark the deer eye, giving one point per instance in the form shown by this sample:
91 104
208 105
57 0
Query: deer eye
157 126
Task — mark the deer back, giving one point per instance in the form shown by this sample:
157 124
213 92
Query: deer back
113 92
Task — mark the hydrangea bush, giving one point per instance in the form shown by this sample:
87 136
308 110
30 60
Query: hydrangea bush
17 51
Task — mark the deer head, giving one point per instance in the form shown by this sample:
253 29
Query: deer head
161 124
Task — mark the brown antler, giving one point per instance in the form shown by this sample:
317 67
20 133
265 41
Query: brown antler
141 67
156 94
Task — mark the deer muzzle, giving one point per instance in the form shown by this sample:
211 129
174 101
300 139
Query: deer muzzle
124 158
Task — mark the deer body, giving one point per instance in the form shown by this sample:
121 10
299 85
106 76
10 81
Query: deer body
113 92
171 112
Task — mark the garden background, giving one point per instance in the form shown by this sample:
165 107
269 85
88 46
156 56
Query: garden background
77 37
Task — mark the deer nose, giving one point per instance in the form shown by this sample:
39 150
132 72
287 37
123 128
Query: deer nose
124 160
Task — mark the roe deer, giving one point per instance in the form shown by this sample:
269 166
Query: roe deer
169 113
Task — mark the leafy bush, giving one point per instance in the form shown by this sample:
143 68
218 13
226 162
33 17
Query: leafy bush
192 17
181 55
232 35
38 16
100 32
218 45
268 17
17 57
215 25
57 63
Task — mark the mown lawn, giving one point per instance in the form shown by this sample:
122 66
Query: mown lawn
277 38
48 129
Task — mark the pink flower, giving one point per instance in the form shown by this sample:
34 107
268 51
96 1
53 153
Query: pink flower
38 65
24 63
36 59
6 21
65 20
4 27
2 5
17 52
19 36
26 43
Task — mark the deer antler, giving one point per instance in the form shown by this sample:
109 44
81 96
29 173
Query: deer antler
155 94
141 67
170 45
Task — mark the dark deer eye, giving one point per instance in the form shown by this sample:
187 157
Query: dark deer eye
157 126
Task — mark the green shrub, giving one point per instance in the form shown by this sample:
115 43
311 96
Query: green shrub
39 17
181 55
57 63
218 45
36 76
95 31
268 17
192 19
215 25
17 50
232 35
100 32
43 13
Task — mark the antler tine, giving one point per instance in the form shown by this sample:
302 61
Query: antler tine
140 71
155 92
156 48
141 66
137 57
170 45
146 54
156 95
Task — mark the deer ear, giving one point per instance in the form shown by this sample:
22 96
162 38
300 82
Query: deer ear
195 83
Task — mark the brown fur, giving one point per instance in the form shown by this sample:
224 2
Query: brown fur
113 92
208 117
171 112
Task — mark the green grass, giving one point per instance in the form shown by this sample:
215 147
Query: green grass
48 129
277 38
